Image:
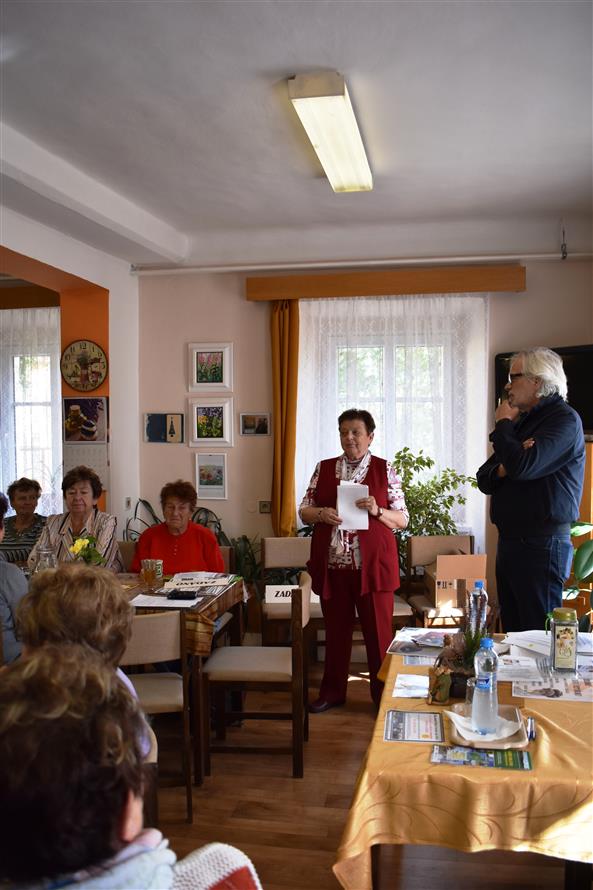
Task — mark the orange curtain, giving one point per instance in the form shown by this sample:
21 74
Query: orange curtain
284 325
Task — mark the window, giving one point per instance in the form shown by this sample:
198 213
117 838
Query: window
418 364
30 401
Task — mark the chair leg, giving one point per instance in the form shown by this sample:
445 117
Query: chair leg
186 756
219 713
198 700
206 724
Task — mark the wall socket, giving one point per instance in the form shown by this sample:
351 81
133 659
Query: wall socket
265 506
127 503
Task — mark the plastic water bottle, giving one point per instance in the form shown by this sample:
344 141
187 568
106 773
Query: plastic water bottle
477 608
485 703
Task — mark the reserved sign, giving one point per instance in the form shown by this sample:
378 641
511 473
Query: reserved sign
279 593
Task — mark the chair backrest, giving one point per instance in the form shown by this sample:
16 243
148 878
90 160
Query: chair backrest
126 551
424 549
285 553
228 556
155 637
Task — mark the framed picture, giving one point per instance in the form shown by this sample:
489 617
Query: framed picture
211 421
211 477
85 420
256 424
210 367
164 428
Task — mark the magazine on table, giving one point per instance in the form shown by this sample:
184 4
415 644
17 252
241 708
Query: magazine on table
455 755
414 726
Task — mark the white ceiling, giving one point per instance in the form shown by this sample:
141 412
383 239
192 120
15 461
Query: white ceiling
161 131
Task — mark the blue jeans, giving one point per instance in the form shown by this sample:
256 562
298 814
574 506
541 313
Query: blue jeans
530 575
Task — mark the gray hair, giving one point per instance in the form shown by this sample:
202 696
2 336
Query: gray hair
547 365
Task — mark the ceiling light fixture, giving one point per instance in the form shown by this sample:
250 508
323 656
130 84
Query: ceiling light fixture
322 102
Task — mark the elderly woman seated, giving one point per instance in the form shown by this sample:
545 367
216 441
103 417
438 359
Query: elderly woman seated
13 587
82 489
22 530
183 545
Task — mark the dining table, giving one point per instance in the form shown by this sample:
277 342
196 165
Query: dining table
401 797
203 622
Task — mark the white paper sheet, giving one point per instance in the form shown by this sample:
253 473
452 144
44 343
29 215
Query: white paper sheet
410 686
352 516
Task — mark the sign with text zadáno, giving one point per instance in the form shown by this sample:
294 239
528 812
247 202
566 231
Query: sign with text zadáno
279 593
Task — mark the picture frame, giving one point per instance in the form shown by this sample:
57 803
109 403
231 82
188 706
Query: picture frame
85 420
210 367
255 423
210 421
211 476
164 428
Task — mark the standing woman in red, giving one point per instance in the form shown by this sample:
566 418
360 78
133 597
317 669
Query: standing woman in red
354 570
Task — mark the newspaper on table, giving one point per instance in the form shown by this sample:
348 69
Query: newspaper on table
410 686
414 726
196 581
417 642
573 687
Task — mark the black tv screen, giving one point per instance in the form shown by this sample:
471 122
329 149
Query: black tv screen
578 366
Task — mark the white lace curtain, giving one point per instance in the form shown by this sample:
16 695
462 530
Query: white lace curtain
417 363
30 401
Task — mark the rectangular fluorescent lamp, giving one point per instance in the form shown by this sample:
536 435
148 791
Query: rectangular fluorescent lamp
323 105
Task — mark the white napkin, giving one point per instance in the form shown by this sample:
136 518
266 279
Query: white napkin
463 725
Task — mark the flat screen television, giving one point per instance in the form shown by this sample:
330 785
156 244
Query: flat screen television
578 366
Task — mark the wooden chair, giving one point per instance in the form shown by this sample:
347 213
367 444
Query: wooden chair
422 551
126 551
265 669
157 638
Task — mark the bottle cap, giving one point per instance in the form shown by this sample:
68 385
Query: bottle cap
564 615
487 643
479 584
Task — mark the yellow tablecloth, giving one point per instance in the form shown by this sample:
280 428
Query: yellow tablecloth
401 798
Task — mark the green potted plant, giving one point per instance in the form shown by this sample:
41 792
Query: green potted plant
582 570
429 498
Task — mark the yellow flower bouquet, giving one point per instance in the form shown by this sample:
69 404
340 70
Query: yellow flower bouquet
86 550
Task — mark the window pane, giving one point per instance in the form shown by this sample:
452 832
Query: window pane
32 379
419 372
360 371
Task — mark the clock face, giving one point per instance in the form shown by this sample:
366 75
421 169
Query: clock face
84 365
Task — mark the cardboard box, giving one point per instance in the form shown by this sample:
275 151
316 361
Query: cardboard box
440 578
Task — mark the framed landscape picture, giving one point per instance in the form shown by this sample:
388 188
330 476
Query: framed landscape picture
211 480
210 367
211 421
256 424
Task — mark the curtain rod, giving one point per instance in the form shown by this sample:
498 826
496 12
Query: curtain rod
140 269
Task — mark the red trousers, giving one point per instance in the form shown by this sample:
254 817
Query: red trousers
375 612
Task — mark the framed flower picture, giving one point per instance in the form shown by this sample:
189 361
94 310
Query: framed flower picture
211 480
210 421
210 367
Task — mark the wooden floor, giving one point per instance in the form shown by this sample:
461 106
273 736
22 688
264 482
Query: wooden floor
291 828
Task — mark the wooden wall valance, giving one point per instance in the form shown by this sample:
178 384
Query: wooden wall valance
389 282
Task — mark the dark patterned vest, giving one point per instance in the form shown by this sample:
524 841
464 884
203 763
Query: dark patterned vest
378 547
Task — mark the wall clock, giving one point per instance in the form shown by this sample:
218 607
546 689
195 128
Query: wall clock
84 365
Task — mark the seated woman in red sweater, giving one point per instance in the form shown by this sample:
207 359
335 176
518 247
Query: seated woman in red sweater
183 545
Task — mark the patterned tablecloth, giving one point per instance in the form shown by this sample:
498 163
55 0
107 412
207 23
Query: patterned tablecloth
200 620
401 798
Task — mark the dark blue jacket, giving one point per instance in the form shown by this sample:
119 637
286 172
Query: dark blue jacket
541 493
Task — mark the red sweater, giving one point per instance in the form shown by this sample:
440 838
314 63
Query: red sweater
196 550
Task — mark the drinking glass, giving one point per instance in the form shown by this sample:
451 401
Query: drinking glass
46 559
469 695
148 574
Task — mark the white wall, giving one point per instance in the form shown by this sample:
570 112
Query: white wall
181 309
46 245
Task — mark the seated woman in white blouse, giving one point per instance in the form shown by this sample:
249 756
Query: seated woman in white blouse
82 489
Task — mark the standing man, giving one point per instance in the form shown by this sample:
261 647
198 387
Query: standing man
535 477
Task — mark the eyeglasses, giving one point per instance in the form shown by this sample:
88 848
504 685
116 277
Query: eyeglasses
514 377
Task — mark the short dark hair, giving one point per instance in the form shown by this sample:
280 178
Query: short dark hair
69 756
358 414
23 484
3 509
179 489
82 474
78 604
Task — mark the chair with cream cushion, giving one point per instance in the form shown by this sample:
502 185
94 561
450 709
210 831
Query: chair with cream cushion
265 669
157 638
126 551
